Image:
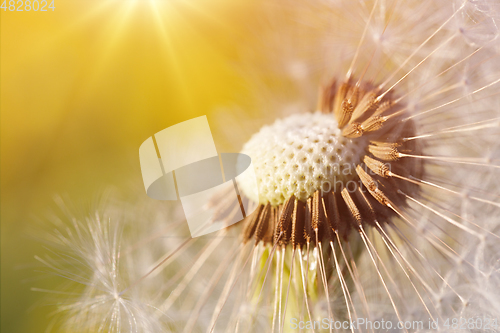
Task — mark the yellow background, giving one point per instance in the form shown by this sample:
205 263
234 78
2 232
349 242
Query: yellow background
81 88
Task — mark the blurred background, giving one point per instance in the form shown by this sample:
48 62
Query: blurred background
81 88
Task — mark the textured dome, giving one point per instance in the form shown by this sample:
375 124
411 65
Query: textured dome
299 155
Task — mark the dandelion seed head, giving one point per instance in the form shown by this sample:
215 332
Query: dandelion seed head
413 241
298 154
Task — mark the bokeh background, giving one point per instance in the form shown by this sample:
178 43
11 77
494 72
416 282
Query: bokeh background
81 88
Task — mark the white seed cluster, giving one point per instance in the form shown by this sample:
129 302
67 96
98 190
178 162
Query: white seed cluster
299 155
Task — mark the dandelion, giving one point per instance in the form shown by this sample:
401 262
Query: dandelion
378 199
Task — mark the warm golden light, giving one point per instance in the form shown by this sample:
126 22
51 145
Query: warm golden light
81 88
